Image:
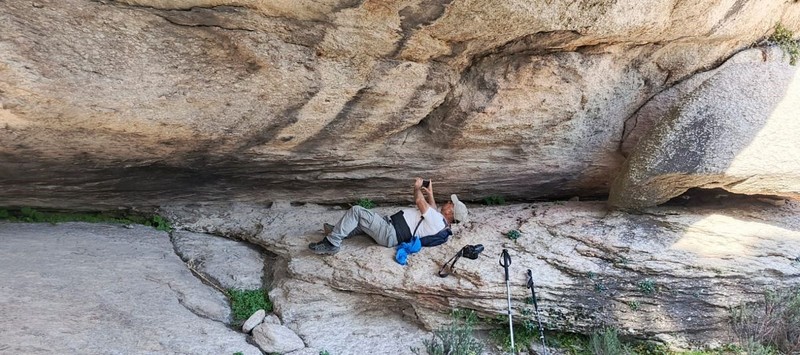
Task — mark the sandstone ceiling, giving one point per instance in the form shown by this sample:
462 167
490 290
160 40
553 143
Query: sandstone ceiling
138 103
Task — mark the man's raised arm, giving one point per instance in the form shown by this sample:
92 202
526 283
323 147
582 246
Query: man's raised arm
419 198
428 193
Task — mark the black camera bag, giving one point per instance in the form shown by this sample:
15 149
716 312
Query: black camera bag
468 251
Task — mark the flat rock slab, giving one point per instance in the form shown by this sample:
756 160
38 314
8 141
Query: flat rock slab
231 263
105 289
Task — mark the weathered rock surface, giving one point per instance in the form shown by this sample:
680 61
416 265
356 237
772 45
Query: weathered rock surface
346 322
736 131
254 320
228 263
141 103
275 338
658 108
80 288
682 266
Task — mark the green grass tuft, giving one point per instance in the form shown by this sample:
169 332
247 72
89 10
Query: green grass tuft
634 305
606 342
647 286
30 215
246 302
771 326
513 234
457 338
366 203
784 38
494 201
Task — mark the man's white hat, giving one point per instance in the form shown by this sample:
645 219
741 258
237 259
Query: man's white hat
460 213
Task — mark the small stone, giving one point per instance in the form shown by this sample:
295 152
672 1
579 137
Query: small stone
254 320
272 319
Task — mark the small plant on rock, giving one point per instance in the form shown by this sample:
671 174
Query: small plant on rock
494 201
606 342
784 38
366 203
513 234
457 338
647 286
246 302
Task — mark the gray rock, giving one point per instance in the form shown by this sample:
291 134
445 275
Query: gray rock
271 318
737 131
229 263
305 351
254 320
658 108
346 322
99 289
274 338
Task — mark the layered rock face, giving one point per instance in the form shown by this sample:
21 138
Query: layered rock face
672 274
139 103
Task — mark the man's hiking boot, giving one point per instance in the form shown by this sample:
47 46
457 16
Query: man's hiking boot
327 228
323 247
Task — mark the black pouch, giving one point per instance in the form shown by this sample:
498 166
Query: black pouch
472 251
401 227
468 251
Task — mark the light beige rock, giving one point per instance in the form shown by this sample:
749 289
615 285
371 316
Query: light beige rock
736 131
659 107
256 101
588 264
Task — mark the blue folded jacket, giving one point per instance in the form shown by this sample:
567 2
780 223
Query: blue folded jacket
406 249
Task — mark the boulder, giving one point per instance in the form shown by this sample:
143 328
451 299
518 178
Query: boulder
658 108
275 338
736 131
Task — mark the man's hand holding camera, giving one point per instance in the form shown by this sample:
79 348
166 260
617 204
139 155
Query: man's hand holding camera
426 189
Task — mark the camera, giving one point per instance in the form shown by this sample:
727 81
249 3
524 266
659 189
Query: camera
426 183
472 251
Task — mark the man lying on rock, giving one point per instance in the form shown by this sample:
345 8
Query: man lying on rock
432 226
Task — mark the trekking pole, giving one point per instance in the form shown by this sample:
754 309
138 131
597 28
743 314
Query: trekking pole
536 311
505 262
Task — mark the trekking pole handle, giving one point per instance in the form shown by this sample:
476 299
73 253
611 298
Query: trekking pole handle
533 289
505 261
